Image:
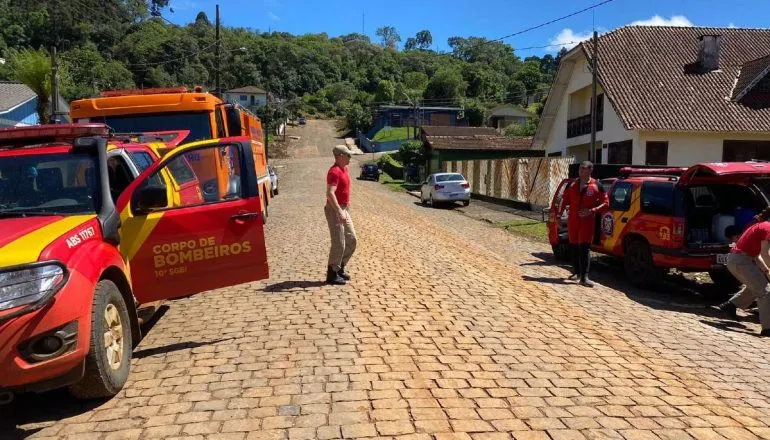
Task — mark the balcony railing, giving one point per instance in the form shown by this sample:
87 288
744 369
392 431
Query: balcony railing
582 125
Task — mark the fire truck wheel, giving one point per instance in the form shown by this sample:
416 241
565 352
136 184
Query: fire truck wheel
109 357
638 264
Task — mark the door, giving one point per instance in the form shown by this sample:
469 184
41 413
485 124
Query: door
557 225
623 207
177 246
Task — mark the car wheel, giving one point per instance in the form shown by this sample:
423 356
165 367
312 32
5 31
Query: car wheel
275 191
109 355
638 264
422 200
561 252
466 202
725 281
432 202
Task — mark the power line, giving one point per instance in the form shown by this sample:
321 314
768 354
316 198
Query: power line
556 20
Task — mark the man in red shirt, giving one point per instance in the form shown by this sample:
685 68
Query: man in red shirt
748 264
585 196
343 235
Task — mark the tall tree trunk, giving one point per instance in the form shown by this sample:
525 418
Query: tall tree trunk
43 110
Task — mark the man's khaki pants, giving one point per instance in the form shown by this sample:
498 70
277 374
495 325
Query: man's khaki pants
756 286
343 237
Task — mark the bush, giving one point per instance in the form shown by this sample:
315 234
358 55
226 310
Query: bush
412 153
390 165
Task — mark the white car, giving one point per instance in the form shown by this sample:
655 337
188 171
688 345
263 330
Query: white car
445 187
273 180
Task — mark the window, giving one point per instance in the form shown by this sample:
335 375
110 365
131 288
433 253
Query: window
658 198
199 124
142 160
220 123
449 178
556 154
119 176
657 153
619 153
244 98
47 183
620 199
742 151
205 175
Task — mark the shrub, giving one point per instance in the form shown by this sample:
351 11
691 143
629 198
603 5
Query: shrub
393 167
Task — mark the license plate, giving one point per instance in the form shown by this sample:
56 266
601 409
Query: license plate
722 258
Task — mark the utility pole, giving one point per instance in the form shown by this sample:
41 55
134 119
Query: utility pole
54 87
594 68
218 60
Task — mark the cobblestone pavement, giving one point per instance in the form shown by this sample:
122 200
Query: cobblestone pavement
451 329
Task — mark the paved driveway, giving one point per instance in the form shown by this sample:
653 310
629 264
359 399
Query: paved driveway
451 329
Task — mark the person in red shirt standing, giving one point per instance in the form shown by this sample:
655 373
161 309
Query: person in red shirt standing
748 262
585 196
343 235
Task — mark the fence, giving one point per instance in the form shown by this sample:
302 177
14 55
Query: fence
532 181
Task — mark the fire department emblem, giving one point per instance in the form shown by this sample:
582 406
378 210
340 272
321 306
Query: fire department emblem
664 233
608 224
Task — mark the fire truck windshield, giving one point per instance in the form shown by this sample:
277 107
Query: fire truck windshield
49 184
198 123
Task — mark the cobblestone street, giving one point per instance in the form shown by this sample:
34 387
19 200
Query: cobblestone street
450 329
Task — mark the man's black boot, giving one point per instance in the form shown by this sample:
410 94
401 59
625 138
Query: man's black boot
344 275
333 277
728 309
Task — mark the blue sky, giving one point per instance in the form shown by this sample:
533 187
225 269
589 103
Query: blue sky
488 18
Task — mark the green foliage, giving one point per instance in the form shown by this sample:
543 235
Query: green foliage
125 43
412 153
522 130
446 84
391 166
355 118
33 68
474 112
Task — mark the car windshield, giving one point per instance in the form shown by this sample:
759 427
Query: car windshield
198 123
49 184
370 167
449 178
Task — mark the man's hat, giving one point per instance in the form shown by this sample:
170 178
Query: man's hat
341 149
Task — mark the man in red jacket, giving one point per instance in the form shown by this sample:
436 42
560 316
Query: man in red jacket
585 196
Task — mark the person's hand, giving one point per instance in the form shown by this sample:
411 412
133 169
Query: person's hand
341 216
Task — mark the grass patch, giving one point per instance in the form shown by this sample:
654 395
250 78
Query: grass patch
533 229
397 185
393 134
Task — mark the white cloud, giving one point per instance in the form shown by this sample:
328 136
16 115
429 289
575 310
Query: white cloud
657 20
273 17
731 25
568 38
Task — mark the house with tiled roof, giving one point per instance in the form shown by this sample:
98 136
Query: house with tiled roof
666 96
446 144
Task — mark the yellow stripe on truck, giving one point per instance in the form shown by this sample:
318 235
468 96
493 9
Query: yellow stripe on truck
135 231
27 249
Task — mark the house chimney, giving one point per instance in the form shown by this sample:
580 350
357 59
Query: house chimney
708 52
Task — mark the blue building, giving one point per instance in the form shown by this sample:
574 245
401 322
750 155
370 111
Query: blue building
18 106
404 115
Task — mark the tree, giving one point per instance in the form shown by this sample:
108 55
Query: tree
33 69
385 93
517 92
412 153
415 81
474 112
411 44
424 39
355 119
529 75
389 36
446 84
559 57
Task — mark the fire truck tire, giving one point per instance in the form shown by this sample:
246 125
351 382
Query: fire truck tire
109 357
725 281
638 263
561 252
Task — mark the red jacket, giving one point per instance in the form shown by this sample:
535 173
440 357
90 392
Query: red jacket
594 197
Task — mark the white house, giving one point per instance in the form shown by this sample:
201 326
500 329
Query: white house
249 97
666 96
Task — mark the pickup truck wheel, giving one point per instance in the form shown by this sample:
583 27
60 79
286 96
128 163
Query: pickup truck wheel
725 281
109 355
638 264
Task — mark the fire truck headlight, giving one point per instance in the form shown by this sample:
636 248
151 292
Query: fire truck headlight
28 285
